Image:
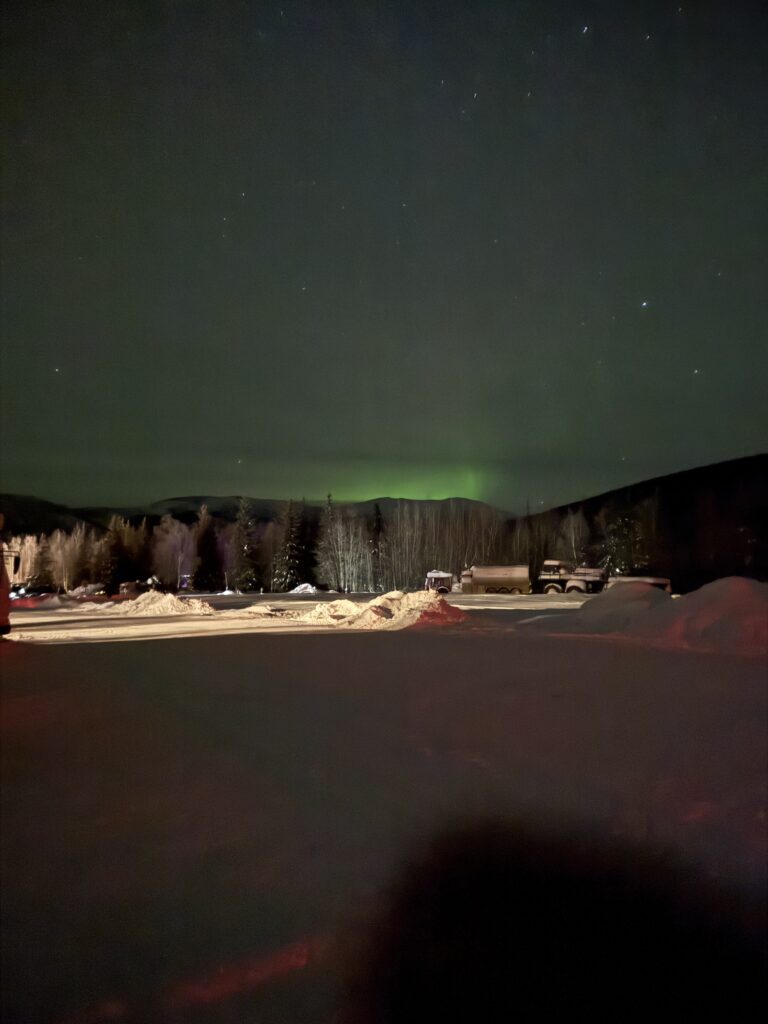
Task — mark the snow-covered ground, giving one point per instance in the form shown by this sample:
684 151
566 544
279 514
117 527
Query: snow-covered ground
727 616
190 828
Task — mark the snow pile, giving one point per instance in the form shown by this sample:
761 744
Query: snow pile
395 610
303 588
263 610
155 603
331 613
618 607
729 616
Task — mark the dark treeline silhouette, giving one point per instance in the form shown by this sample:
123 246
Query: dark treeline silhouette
694 527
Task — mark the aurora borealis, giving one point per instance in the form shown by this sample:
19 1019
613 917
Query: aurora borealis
509 251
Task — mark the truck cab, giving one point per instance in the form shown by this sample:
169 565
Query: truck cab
558 577
442 582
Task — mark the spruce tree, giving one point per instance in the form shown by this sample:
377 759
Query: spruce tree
208 575
307 543
247 543
288 560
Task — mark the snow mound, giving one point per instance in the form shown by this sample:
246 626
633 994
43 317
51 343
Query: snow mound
155 603
395 610
617 608
257 609
729 616
303 588
331 612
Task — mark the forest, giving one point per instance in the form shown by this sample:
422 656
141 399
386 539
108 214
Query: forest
694 526
336 547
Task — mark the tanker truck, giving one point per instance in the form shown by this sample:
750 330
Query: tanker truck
496 579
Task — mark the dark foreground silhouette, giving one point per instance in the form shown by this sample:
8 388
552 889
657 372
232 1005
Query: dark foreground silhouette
496 923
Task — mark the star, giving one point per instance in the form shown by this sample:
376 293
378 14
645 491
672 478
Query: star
644 303
585 30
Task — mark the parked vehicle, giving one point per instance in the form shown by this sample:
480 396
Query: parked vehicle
440 581
496 579
558 577
32 590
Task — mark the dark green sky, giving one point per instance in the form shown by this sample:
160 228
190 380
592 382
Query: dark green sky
512 251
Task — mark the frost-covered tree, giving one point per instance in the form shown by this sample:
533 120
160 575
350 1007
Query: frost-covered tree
226 543
67 557
572 540
174 551
623 546
42 576
344 557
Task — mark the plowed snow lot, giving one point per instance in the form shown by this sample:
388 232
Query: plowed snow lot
190 827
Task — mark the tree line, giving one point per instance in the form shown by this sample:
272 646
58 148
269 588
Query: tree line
337 547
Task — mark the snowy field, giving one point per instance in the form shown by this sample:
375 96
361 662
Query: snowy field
163 616
194 828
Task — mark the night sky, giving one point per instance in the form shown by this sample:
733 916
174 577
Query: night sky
510 251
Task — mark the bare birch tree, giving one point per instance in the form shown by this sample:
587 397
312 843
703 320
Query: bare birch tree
174 551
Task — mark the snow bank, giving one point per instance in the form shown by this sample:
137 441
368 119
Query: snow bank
155 603
617 608
303 588
729 616
395 610
260 610
331 612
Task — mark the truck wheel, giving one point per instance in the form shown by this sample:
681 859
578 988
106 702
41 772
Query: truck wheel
574 590
515 590
552 588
